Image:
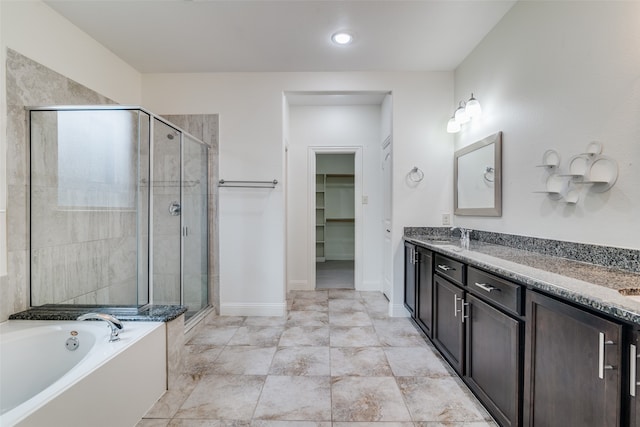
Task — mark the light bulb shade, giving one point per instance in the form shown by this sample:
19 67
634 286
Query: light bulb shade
473 108
453 126
461 115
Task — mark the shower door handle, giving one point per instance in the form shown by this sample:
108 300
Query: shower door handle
174 209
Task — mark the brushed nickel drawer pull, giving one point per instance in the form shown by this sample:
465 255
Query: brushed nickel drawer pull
633 361
486 287
464 316
445 267
601 365
455 305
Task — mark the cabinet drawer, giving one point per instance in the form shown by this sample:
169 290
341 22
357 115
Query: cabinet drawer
454 270
499 291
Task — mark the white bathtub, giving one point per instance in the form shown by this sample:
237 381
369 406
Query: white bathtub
42 383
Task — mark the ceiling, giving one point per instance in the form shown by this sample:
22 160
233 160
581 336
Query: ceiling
188 36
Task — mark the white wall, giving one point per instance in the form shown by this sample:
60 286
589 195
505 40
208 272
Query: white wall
251 147
334 126
558 75
41 34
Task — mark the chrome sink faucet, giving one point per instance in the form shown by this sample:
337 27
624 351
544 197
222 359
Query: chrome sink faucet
464 236
113 322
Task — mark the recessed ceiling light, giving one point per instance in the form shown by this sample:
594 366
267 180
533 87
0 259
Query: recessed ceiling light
342 38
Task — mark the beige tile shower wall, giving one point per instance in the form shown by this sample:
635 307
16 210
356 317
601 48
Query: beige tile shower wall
28 83
205 128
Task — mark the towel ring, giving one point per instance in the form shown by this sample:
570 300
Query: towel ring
416 175
489 174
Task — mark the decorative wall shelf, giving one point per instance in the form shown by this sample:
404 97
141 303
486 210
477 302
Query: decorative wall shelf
589 171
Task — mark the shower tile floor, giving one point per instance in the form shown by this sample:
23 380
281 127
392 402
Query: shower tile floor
335 360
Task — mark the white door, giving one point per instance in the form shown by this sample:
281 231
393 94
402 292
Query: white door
387 262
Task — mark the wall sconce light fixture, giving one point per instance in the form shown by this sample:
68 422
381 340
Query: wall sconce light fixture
463 114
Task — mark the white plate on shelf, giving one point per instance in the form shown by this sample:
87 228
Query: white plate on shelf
550 159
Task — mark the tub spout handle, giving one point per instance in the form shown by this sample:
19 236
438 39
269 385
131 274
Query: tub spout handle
113 322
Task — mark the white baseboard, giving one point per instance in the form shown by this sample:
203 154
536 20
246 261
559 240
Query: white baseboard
370 286
398 310
299 285
253 309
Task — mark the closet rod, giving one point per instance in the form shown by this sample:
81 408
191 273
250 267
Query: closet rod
248 184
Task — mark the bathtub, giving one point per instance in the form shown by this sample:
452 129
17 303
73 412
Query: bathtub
68 373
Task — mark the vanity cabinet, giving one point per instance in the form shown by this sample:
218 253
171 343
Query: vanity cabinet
424 286
633 389
410 257
493 360
573 366
494 343
448 318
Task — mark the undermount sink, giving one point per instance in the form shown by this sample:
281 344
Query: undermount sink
633 293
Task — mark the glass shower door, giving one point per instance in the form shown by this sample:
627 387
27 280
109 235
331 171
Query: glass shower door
166 211
194 226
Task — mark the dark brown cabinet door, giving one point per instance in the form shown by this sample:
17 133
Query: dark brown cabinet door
424 316
572 366
493 367
410 278
634 379
448 332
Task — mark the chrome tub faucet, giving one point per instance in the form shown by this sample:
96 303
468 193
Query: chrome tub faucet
113 322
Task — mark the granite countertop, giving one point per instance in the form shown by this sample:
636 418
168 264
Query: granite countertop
585 284
150 313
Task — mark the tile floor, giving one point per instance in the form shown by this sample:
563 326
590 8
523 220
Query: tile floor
335 275
335 360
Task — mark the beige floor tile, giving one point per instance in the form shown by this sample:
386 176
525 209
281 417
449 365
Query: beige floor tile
256 336
309 295
359 361
398 332
214 319
361 336
367 399
243 360
377 424
309 305
213 335
358 318
416 362
305 336
266 423
295 361
172 400
265 321
198 358
344 294
147 422
442 399
346 305
208 423
217 397
307 318
290 398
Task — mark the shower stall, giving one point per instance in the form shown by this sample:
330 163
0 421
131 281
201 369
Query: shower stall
118 209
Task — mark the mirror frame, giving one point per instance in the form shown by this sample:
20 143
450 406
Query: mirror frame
496 210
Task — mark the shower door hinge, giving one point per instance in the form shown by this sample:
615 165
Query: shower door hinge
185 231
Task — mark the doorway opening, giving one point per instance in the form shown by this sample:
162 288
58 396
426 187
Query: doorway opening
335 221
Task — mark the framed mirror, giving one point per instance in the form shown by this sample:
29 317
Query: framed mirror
477 178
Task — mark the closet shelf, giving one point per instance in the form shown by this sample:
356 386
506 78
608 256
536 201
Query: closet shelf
340 220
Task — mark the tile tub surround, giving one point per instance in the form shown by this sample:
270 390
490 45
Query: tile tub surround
315 371
587 284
